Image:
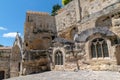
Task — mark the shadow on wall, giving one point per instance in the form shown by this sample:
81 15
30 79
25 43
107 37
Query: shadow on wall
73 31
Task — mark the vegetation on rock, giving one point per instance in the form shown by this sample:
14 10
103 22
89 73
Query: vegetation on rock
64 2
55 9
1 45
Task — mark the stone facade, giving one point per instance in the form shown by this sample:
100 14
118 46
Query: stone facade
66 21
39 30
97 23
84 35
16 57
5 53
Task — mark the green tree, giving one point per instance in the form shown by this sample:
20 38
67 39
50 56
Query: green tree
1 45
55 9
64 2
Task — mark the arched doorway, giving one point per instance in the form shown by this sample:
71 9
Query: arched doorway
99 48
2 73
58 58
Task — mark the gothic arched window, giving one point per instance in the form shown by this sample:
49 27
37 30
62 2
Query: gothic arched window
58 58
99 48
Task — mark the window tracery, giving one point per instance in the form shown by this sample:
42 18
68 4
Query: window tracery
58 58
99 48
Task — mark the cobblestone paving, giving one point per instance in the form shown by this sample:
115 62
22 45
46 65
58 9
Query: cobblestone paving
66 75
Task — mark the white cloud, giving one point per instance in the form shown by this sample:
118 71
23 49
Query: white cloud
3 28
10 35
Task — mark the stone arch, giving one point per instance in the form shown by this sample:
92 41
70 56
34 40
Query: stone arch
107 42
83 36
99 48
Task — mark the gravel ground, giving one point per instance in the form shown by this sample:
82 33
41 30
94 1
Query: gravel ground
67 75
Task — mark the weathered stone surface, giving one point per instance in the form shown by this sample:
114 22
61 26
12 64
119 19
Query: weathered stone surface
88 38
82 37
39 29
5 53
67 18
96 19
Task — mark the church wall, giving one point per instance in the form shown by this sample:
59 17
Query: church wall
69 60
92 6
94 15
5 61
117 52
102 18
107 63
116 24
66 19
86 13
15 61
35 61
39 30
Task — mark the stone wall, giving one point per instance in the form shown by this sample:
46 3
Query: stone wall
39 30
117 53
116 24
35 61
96 17
92 6
5 61
102 18
67 18
15 61
85 14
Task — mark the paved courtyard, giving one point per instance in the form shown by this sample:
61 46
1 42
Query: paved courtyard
67 75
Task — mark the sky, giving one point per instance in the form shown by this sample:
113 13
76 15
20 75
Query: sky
13 14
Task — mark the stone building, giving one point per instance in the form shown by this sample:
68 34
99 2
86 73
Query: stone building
84 35
93 25
39 32
5 62
16 57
